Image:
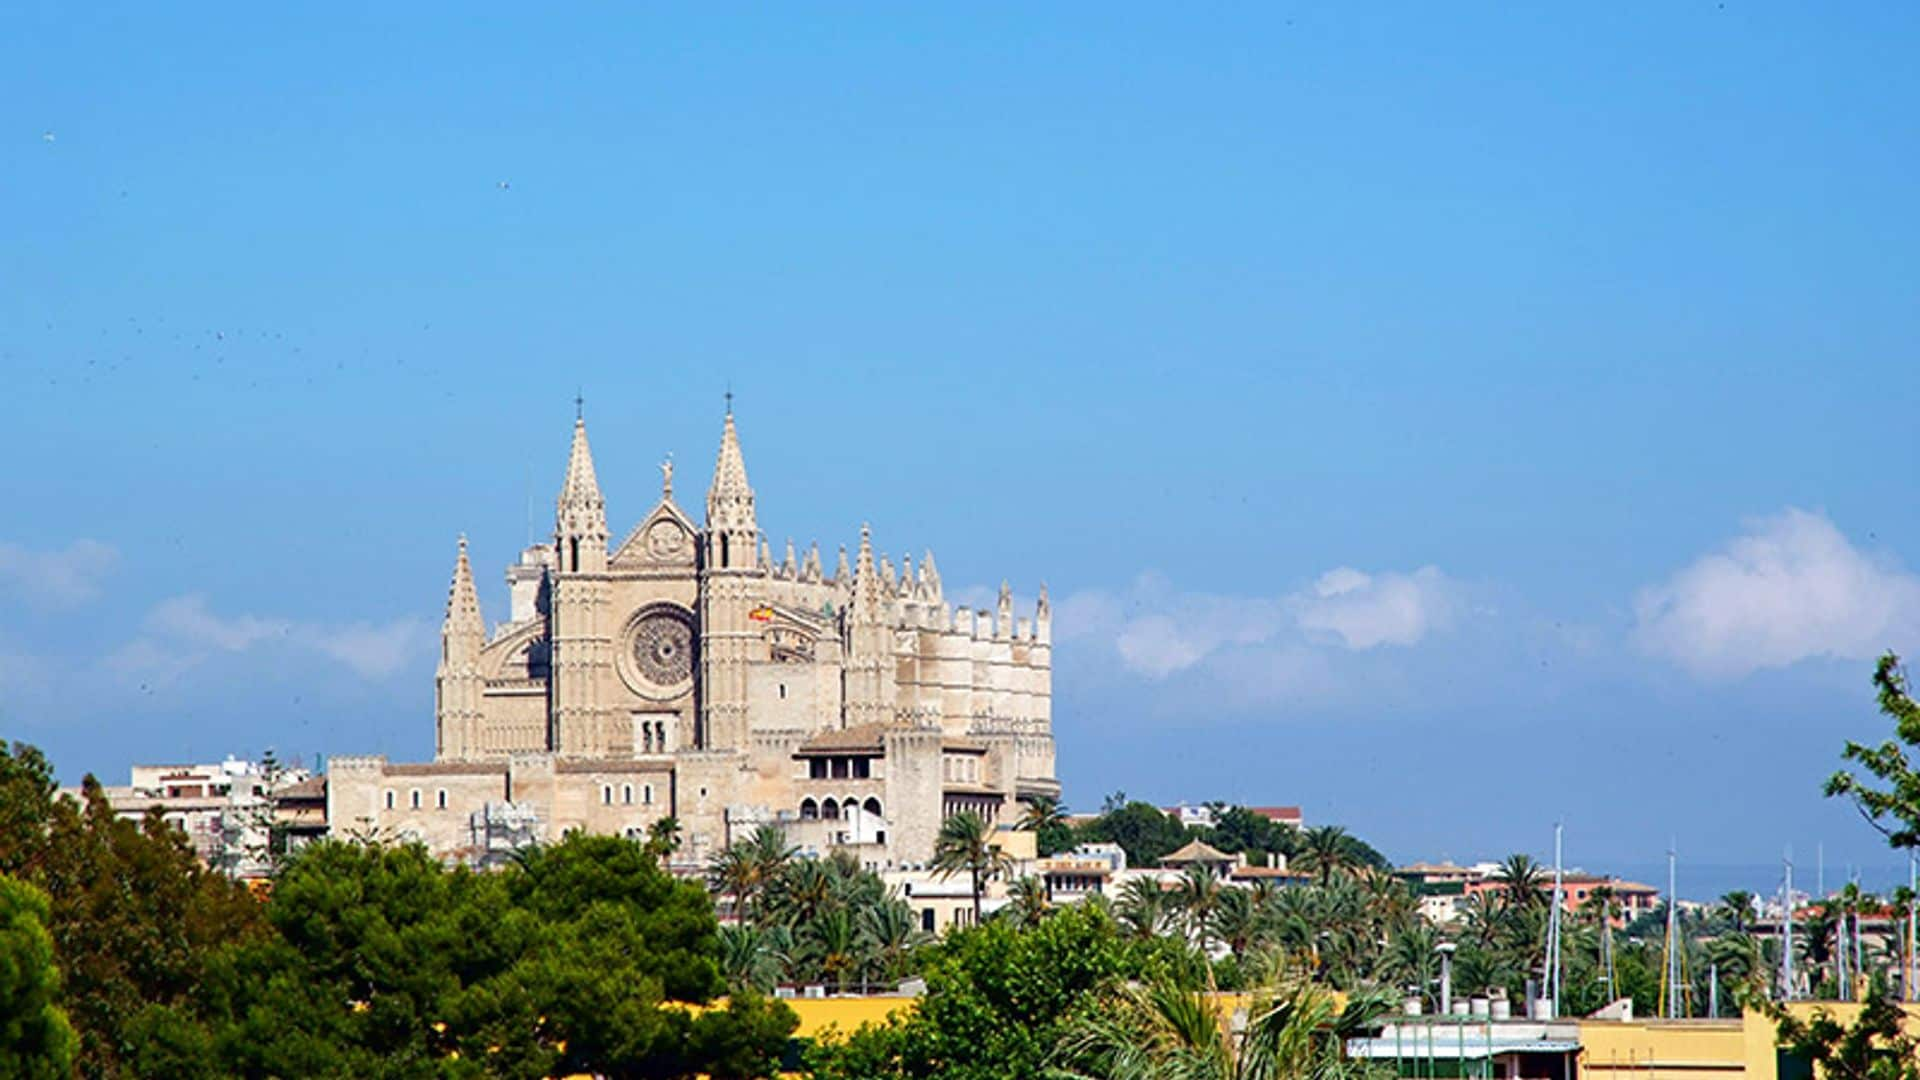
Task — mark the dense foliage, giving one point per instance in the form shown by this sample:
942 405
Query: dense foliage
372 961
999 999
135 920
36 1040
809 920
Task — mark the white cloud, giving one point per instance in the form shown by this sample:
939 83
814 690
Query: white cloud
1368 610
187 620
372 650
1791 588
63 578
1158 631
183 632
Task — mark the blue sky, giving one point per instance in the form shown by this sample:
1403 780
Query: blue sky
1451 421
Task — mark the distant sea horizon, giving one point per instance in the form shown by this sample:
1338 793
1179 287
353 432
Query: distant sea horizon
1706 882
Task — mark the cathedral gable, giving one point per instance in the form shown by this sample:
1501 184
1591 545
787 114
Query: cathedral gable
665 539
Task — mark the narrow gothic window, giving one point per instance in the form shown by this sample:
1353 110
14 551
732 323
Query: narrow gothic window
606 795
723 549
626 794
440 799
414 798
389 800
646 794
576 553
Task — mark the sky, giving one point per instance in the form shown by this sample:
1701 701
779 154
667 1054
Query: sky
1451 419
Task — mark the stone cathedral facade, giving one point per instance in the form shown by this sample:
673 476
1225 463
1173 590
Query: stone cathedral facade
686 672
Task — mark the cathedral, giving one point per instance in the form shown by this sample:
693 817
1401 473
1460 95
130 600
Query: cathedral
686 673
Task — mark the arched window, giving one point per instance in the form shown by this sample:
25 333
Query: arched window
574 546
809 810
440 799
606 795
872 806
724 549
626 794
389 800
646 794
830 810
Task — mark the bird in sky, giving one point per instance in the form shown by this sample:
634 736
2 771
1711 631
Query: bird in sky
46 136
503 185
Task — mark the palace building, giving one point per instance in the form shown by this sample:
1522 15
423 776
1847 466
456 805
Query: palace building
685 672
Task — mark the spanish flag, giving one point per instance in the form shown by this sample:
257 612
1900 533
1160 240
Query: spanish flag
763 613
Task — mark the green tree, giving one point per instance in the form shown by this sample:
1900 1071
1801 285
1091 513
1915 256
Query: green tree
1026 900
998 998
135 919
1143 831
1525 879
1894 808
966 844
581 957
1737 908
1046 818
36 1040
1161 1028
1327 850
1237 829
747 869
1875 1047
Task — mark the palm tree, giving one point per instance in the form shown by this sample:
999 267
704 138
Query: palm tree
1197 896
966 843
1237 920
892 933
1042 812
1159 1029
1600 907
747 868
1737 906
1523 877
1143 907
663 838
1026 901
834 946
752 957
1327 850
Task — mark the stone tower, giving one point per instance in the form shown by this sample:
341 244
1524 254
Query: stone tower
582 662
869 696
458 684
729 572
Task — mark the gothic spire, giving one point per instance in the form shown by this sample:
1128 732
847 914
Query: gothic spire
580 518
730 469
580 486
463 600
731 525
867 586
841 574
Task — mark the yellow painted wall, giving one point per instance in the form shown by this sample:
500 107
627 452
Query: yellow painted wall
1744 1048
1641 1048
846 1014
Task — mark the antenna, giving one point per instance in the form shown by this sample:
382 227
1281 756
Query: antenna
1786 942
1553 931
